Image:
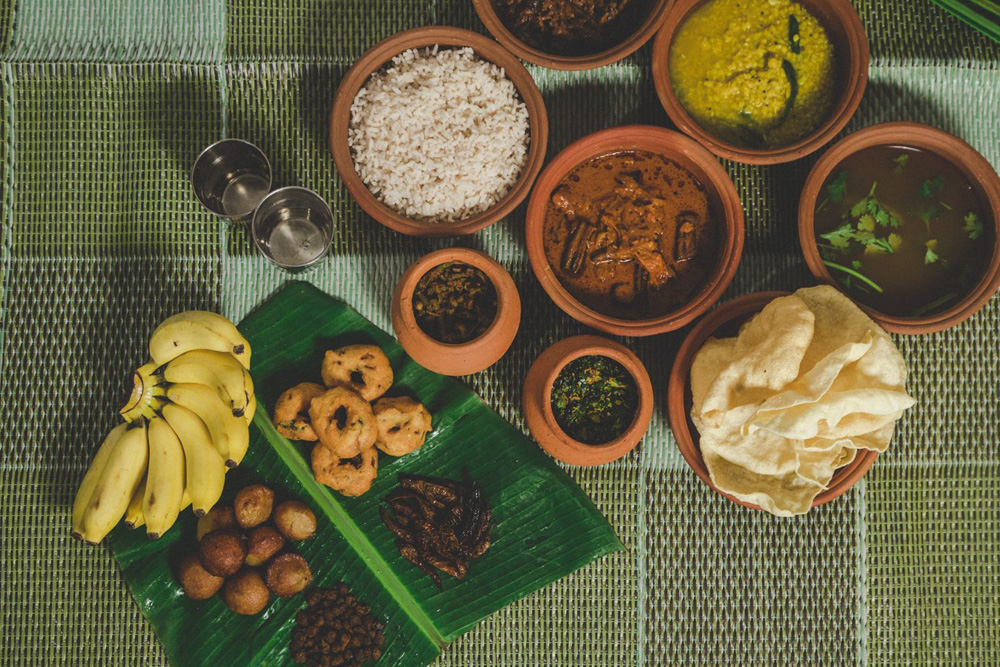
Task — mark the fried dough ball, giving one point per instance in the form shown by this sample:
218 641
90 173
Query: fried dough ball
363 368
402 424
197 582
263 543
222 552
246 593
295 520
220 516
291 412
351 477
288 574
253 505
344 422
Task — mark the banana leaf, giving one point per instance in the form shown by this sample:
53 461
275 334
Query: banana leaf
545 526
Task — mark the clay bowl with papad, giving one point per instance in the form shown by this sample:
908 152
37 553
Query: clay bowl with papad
418 38
847 35
725 321
642 32
537 403
456 358
724 203
973 166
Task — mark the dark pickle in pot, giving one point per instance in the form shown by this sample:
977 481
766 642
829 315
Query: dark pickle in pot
454 303
594 399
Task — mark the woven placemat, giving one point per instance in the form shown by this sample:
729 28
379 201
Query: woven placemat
103 106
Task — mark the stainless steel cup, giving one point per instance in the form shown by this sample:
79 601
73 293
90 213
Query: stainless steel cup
231 177
293 227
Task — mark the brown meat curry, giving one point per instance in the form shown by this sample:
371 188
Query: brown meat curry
572 27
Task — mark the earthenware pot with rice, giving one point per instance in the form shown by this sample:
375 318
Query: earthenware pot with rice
456 311
438 131
905 220
569 34
771 87
587 400
634 230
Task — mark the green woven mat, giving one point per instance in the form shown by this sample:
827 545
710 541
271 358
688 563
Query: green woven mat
103 106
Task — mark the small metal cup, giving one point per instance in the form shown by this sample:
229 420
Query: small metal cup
293 227
231 177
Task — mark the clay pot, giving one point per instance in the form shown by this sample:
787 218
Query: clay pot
643 31
461 358
972 165
846 33
725 322
723 200
537 403
417 38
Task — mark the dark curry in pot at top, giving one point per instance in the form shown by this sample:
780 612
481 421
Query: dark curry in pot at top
630 234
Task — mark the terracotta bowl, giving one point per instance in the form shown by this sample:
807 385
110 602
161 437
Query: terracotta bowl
461 358
846 32
972 165
380 54
643 31
723 199
538 406
725 321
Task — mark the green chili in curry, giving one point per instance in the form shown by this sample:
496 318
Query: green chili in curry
454 303
594 399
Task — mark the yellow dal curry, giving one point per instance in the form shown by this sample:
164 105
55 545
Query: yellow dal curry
758 73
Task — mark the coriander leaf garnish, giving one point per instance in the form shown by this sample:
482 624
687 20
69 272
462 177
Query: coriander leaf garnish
852 272
901 161
840 237
930 256
836 190
856 265
930 187
973 226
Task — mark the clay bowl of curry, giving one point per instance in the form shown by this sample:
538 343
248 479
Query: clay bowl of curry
456 311
904 219
634 230
587 400
761 81
572 34
725 321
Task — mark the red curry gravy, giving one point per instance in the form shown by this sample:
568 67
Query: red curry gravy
630 234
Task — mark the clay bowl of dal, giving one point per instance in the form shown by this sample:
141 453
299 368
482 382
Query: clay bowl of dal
376 60
687 273
725 321
911 278
630 31
846 34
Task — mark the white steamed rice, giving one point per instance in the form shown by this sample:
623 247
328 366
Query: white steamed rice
439 135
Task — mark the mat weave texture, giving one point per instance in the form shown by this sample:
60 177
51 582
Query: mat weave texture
103 106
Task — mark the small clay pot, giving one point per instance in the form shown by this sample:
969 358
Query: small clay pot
418 38
724 204
537 403
462 358
846 33
643 31
981 176
725 322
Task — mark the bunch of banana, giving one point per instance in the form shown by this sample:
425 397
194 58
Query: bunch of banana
186 423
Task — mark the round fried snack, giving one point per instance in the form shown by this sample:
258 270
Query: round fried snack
403 425
352 476
363 368
291 412
343 421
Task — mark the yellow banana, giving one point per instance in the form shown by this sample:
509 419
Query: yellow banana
205 469
133 515
197 330
218 370
164 480
251 409
229 433
117 484
90 478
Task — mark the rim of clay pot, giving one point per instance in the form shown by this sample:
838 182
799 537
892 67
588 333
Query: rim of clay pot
416 38
457 358
643 32
538 406
846 33
723 198
726 320
981 176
